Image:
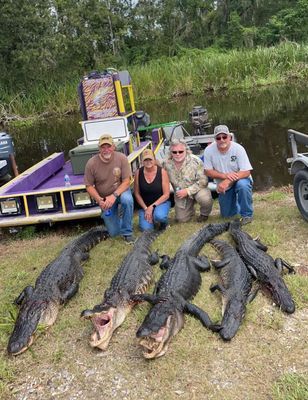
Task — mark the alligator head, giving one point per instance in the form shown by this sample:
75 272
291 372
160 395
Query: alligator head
233 315
33 313
158 328
281 295
106 318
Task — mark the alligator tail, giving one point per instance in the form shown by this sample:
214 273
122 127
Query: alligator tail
145 240
204 235
88 240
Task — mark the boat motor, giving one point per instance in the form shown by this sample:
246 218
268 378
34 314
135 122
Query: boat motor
8 167
199 119
142 119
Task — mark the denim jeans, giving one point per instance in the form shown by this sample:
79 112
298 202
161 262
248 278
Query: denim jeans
120 224
237 200
160 215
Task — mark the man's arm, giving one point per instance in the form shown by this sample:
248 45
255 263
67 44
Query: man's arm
232 176
227 179
95 195
110 200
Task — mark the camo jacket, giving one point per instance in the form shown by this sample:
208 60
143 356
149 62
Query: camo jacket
190 176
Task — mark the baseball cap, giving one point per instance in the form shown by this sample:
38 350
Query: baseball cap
105 139
221 129
148 153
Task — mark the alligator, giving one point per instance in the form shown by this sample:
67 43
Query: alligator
57 283
263 267
236 284
132 278
170 300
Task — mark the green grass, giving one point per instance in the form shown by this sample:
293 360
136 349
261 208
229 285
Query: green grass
252 366
291 387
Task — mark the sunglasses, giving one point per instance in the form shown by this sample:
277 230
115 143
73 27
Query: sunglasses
148 159
178 152
224 137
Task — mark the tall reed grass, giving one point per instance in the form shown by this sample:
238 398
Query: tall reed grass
202 70
194 71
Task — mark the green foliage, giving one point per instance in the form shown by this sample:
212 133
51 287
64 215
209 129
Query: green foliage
42 42
28 232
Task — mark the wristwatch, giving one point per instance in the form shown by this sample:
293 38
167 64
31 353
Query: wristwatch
116 195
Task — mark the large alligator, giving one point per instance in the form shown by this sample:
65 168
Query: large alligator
236 283
179 284
263 267
57 283
132 278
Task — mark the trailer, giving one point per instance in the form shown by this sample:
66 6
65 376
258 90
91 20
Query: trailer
299 168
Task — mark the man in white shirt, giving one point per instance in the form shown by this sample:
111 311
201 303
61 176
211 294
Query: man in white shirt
228 164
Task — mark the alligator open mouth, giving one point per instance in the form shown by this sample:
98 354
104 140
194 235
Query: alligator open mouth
103 329
105 323
155 345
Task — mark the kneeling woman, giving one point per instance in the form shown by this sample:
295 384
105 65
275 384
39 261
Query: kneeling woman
152 191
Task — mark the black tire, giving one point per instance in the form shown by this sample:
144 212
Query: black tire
300 186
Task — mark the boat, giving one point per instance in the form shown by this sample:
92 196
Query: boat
53 190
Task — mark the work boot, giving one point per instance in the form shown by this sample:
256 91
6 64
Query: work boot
246 220
163 226
129 239
202 218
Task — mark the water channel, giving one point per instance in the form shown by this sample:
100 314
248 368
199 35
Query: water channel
260 120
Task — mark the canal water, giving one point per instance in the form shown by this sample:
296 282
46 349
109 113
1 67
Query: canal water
259 119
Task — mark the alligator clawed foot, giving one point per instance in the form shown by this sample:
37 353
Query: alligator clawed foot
154 258
165 262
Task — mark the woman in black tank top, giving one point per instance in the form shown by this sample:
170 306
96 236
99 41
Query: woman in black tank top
152 191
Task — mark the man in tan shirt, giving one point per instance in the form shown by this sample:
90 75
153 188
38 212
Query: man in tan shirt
107 180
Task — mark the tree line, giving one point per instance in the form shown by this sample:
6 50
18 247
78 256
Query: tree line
44 40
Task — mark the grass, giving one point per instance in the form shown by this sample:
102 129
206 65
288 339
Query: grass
192 72
291 387
266 359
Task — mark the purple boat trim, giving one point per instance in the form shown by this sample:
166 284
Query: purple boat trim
31 180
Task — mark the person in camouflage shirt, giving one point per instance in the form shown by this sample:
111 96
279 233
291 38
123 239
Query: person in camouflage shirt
189 182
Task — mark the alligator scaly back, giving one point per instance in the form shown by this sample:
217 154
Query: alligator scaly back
264 267
131 279
56 284
175 288
235 287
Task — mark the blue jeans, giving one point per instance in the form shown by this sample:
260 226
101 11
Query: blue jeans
237 200
160 215
120 224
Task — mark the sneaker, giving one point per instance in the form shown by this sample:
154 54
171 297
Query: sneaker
246 220
202 218
129 239
163 226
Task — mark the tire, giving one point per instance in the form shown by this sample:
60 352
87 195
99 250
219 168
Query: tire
300 186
